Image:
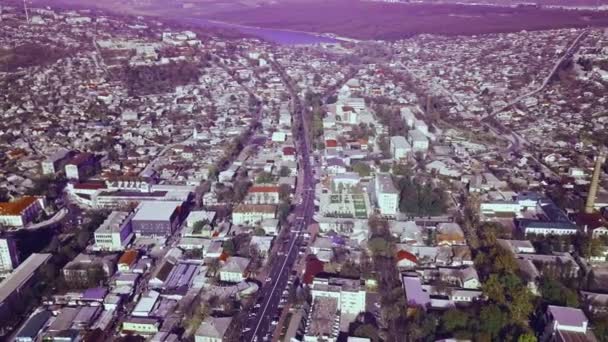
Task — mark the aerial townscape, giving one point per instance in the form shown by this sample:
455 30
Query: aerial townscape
174 180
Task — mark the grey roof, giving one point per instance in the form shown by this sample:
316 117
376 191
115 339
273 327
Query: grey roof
21 274
414 293
567 316
235 264
113 223
34 324
416 135
400 142
385 183
214 327
156 210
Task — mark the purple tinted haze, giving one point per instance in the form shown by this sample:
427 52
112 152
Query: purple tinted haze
278 36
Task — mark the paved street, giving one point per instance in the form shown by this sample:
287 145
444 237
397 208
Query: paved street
258 327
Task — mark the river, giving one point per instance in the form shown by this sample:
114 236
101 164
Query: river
283 37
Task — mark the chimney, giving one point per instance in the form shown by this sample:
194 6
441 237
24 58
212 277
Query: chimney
595 181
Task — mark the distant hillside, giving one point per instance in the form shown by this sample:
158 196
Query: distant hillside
379 20
171 9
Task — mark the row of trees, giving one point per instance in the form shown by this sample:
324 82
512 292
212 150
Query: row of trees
419 198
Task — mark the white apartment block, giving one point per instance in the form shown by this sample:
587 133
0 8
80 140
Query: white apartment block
115 233
348 292
399 147
385 194
8 255
418 140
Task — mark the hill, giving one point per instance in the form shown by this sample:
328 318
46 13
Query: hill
379 20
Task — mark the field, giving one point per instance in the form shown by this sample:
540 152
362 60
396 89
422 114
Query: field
376 20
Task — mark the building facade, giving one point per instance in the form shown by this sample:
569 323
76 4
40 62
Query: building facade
8 255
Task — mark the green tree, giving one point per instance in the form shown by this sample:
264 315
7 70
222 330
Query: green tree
521 305
454 319
556 293
264 178
363 169
229 247
493 320
527 337
600 327
368 331
403 170
380 247
494 290
283 211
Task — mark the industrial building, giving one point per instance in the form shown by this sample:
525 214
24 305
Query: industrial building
157 219
115 233
16 282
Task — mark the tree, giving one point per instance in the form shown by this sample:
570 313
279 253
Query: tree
380 246
213 266
283 211
350 270
521 305
587 246
556 293
198 226
362 169
284 171
284 192
83 238
213 172
403 170
527 337
259 231
494 319
264 178
454 319
367 330
600 327
494 290
229 247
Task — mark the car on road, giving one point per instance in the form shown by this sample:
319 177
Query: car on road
269 279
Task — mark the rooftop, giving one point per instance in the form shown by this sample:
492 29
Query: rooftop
18 206
22 274
323 316
567 316
385 183
214 327
156 211
113 223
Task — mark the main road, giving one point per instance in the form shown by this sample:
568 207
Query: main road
258 326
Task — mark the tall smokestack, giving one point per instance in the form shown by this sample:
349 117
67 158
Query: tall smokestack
595 182
27 15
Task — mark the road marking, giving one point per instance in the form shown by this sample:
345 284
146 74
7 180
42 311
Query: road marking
257 327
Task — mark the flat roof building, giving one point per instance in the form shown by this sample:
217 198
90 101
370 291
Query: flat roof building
156 218
115 233
21 278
